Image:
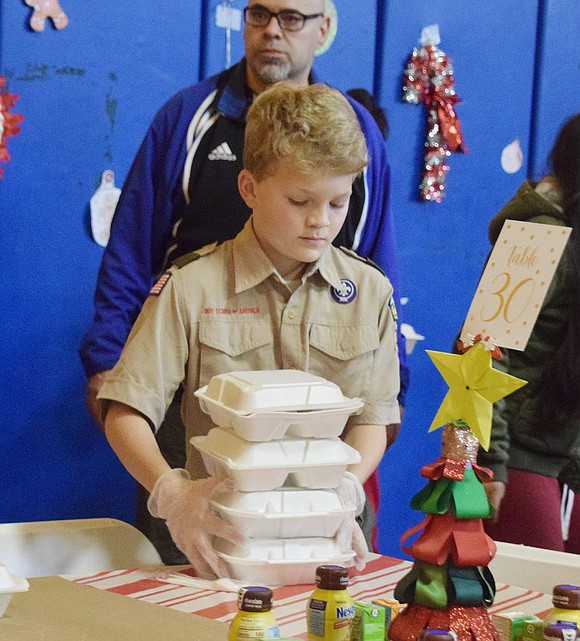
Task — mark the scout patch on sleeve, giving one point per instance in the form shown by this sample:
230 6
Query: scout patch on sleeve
393 309
160 284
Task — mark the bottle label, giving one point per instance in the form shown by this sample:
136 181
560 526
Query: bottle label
253 627
330 620
316 616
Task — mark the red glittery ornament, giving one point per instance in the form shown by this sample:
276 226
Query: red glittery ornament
8 121
468 623
428 79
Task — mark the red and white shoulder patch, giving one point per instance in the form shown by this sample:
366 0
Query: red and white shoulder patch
160 284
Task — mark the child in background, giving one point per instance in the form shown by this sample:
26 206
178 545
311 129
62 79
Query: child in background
278 296
535 438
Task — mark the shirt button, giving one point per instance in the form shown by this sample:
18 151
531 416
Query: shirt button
291 314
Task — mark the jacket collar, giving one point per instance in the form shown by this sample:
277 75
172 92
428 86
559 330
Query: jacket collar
527 203
234 96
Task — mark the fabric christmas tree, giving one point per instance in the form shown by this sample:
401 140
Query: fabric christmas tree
450 585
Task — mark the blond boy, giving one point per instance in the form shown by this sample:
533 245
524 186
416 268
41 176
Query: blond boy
278 296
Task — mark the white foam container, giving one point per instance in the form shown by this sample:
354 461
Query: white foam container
9 585
273 562
266 426
263 466
284 513
248 392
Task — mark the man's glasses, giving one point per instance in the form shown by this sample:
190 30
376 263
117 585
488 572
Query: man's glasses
288 19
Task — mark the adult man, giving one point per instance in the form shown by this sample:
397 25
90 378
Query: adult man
181 192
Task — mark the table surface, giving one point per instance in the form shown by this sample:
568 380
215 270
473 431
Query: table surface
55 609
378 580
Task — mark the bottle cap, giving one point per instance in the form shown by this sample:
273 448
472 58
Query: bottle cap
255 598
557 632
331 577
436 634
566 596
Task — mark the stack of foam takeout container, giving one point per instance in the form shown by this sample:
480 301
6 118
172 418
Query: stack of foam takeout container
277 438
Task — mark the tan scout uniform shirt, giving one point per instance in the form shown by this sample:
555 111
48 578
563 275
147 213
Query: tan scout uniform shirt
230 310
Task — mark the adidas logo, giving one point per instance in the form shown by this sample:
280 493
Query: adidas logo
222 152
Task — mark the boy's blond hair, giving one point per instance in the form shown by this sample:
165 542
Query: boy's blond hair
315 126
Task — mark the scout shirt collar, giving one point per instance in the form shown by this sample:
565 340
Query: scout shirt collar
326 267
252 266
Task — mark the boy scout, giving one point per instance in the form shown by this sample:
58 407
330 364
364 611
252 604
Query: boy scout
278 296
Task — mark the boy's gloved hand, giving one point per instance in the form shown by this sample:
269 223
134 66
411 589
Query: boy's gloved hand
185 506
349 535
351 493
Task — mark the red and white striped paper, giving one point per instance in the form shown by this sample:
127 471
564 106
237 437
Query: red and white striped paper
377 581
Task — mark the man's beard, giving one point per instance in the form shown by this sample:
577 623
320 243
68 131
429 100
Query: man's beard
271 72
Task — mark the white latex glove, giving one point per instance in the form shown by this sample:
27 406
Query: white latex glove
185 506
349 535
351 493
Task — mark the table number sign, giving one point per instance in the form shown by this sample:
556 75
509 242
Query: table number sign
515 282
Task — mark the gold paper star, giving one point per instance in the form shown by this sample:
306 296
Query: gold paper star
473 387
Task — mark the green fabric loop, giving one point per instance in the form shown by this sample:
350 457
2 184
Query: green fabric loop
469 497
464 586
434 498
431 587
425 584
405 588
488 583
466 498
471 586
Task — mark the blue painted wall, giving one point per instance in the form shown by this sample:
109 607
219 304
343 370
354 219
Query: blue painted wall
87 94
443 246
509 61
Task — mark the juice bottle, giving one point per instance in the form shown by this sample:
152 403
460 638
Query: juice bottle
560 632
330 608
566 601
254 619
437 634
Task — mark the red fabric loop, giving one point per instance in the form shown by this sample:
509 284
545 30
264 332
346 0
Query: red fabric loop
445 536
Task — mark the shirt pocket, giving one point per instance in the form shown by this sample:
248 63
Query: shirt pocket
344 343
227 346
344 355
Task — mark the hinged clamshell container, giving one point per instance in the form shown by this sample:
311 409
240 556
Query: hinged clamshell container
270 404
295 462
280 561
273 390
266 426
284 513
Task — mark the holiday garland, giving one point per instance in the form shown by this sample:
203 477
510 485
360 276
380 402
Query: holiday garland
428 79
9 122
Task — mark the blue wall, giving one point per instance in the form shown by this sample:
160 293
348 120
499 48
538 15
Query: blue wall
87 94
